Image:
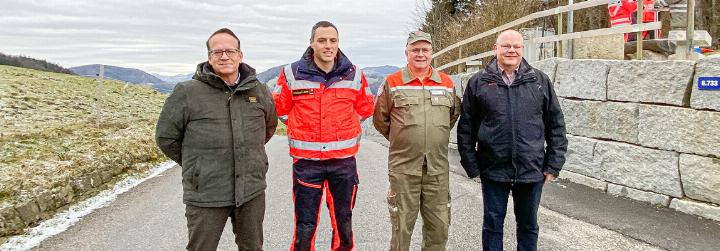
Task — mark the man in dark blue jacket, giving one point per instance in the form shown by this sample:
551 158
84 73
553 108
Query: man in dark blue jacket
509 112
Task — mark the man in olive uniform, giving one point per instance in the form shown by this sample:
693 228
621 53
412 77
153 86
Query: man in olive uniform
215 127
415 110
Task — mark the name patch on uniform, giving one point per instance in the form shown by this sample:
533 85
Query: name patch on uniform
252 99
302 91
437 92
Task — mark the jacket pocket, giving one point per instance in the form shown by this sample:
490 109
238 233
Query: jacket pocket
441 106
191 175
404 109
342 110
254 124
536 100
303 97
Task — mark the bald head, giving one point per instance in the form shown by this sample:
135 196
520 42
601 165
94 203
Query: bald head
509 49
508 34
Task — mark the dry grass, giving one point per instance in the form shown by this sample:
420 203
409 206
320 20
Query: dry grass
49 134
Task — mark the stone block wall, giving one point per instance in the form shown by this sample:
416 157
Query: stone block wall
642 129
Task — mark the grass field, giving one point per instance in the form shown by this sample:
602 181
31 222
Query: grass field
49 134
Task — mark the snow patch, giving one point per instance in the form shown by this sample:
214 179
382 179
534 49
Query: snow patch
62 221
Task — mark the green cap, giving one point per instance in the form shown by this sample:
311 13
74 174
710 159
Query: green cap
418 36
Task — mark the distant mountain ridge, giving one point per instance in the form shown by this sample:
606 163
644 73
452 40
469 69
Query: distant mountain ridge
269 74
374 75
130 75
380 70
32 63
175 78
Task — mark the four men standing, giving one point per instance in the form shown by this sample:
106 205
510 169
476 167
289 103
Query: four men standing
415 110
215 126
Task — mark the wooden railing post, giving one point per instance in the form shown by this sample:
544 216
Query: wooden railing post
638 35
559 50
459 66
570 23
690 31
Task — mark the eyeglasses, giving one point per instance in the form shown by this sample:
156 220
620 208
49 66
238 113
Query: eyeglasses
507 47
421 50
229 52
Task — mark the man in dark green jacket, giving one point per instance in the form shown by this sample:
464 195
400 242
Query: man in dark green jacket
216 126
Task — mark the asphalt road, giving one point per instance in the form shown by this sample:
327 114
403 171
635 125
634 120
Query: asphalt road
151 216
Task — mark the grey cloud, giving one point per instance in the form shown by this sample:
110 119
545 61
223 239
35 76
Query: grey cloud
168 36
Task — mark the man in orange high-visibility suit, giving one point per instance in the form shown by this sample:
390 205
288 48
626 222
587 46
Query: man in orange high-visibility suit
322 98
621 14
650 14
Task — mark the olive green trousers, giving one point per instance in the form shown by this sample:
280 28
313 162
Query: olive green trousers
429 195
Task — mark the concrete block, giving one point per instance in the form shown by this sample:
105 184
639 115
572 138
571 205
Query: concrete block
63 195
700 177
662 82
583 180
45 202
696 208
680 129
639 167
10 221
460 87
653 198
586 79
579 156
82 184
701 38
106 176
706 99
600 47
29 212
655 56
548 66
607 120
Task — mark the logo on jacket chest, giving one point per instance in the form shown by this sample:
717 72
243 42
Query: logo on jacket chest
302 92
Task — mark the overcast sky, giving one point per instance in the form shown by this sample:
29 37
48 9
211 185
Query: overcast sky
168 36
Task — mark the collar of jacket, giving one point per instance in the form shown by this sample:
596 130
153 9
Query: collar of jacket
524 71
407 76
204 73
307 70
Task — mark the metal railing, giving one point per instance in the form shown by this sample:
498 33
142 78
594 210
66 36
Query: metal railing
638 28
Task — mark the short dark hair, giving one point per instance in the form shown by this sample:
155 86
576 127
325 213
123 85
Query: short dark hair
223 31
322 24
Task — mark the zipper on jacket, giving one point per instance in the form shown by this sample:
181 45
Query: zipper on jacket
512 131
232 137
425 126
